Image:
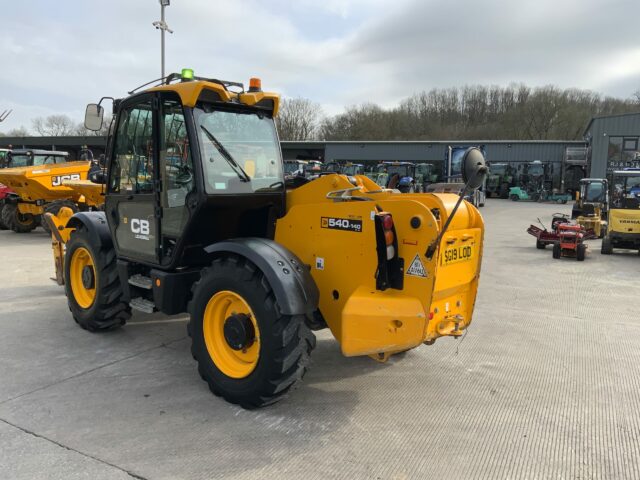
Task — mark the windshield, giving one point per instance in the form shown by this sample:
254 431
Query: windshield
240 152
291 167
498 169
536 170
595 192
353 170
47 159
401 170
456 161
625 187
22 160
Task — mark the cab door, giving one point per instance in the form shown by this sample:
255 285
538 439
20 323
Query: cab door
131 203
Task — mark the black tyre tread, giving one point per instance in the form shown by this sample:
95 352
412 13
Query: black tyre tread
3 226
295 340
54 208
607 247
8 215
540 245
108 311
581 251
557 253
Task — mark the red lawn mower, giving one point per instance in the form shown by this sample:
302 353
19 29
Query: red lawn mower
570 242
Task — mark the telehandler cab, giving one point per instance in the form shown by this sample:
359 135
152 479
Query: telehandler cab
215 232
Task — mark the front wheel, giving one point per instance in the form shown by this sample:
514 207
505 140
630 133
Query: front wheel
581 251
247 351
92 285
16 221
607 246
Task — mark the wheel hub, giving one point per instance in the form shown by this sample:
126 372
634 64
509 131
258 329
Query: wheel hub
88 277
239 332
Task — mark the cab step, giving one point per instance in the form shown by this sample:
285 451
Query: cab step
142 305
141 281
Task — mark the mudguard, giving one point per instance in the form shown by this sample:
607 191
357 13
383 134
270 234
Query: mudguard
294 288
96 225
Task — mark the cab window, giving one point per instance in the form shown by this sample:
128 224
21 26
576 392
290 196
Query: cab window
133 151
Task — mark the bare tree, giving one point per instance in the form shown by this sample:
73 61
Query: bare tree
17 132
54 126
298 119
85 132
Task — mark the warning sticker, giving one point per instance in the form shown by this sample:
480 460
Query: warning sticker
416 269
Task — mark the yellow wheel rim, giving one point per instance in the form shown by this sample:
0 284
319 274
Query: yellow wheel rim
233 363
84 290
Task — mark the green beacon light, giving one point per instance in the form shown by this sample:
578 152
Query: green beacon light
186 74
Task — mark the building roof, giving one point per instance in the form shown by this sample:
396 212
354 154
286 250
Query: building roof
601 117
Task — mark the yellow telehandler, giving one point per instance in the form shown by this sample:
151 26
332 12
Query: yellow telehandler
197 218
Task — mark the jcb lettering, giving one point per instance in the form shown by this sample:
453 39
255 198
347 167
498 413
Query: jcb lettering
57 180
140 226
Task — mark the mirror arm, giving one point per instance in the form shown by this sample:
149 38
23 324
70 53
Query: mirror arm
434 245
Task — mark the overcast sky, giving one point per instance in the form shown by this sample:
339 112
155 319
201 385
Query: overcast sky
59 55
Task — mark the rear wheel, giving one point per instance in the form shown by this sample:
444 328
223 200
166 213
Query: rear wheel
557 251
16 221
247 351
54 208
92 285
514 197
3 226
607 247
581 251
540 245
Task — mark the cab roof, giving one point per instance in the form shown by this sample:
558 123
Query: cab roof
213 90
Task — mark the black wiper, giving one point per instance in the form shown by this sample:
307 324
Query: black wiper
227 156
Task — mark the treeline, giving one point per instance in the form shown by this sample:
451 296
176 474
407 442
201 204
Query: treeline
515 112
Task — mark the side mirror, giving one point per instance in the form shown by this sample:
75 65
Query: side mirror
99 177
93 117
474 168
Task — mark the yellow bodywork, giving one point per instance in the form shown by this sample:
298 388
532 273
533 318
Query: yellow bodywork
89 193
189 93
43 183
367 321
625 221
593 222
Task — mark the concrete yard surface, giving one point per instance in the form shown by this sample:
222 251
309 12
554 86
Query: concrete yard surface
546 384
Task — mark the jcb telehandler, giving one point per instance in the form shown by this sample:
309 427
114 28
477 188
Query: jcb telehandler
258 266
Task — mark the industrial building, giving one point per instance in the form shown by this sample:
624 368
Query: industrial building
610 142
613 143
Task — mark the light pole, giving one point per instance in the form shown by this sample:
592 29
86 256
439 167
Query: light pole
163 27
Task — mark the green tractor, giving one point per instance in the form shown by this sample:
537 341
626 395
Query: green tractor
499 181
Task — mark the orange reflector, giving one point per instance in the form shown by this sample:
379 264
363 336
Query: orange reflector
430 315
388 237
157 282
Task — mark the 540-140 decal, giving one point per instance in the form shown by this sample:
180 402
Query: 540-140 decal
349 224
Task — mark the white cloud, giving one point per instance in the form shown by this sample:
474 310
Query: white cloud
336 52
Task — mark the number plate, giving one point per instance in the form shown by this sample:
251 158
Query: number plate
459 253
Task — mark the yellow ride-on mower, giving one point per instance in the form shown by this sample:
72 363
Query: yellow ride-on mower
623 227
38 188
197 218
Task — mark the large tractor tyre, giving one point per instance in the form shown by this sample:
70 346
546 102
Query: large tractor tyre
607 246
514 197
557 251
581 251
247 351
54 208
3 226
92 285
16 221
540 245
